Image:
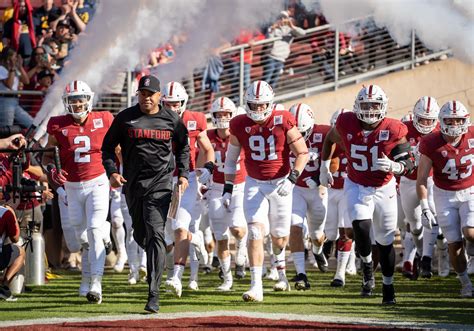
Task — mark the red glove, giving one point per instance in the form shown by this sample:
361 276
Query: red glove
58 177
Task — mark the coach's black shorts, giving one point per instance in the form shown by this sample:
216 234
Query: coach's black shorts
9 254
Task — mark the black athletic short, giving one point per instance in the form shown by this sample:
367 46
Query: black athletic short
9 254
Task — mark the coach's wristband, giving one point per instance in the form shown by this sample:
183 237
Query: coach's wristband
228 188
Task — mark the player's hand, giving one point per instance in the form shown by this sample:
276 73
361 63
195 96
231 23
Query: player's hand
203 192
312 183
62 195
57 177
116 180
285 188
183 182
204 175
227 201
427 218
386 165
325 176
14 142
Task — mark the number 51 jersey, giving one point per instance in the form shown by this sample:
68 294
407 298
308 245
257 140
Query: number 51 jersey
267 154
80 145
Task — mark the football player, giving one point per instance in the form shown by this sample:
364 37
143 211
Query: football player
79 135
186 224
267 137
449 152
369 138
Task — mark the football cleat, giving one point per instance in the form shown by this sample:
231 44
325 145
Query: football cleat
255 294
301 282
193 285
336 282
95 293
426 267
321 261
174 285
368 280
133 278
120 263
226 285
273 275
466 291
470 265
388 292
85 286
282 285
240 271
407 270
142 273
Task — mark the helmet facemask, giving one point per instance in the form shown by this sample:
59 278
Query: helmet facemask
256 114
72 102
221 122
454 130
422 127
371 112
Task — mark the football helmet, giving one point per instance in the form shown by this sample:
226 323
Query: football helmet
407 117
371 104
175 92
336 114
425 108
259 93
278 106
304 118
454 110
222 105
78 90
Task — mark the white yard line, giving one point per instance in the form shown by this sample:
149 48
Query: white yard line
273 316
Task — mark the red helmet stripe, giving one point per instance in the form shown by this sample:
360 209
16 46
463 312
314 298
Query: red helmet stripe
428 105
370 91
75 86
298 112
222 102
454 106
171 89
257 92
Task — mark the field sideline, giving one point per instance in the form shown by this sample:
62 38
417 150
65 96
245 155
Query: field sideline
423 303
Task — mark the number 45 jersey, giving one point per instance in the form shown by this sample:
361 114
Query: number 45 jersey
364 148
452 166
80 145
267 154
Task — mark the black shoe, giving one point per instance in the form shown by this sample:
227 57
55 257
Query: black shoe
327 248
321 261
215 262
337 283
221 274
302 283
108 248
416 267
152 304
239 272
388 295
207 269
6 294
426 267
368 280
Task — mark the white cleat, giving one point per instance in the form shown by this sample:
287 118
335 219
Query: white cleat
85 286
120 264
470 265
193 285
443 263
255 294
466 291
282 285
226 286
133 278
142 274
95 293
273 274
174 285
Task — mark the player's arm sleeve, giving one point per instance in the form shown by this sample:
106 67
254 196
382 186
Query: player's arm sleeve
402 154
111 140
181 143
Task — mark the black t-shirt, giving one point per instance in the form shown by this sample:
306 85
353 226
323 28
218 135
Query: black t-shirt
42 18
147 143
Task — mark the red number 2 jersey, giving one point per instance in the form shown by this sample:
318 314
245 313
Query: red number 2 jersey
80 145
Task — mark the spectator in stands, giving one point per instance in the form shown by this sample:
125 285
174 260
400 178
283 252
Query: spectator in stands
11 74
69 13
44 15
297 10
161 55
19 31
285 29
84 11
33 103
8 12
40 61
66 39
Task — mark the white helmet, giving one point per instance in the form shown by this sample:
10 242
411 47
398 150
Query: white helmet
454 109
336 114
304 118
425 108
77 89
259 92
222 105
371 104
278 106
175 92
407 117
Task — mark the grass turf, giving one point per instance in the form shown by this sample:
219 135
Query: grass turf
433 301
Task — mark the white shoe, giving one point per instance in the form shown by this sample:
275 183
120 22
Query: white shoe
273 275
193 285
255 294
133 278
241 255
95 293
120 263
470 265
174 284
282 285
443 262
85 286
226 285
466 291
142 274
200 248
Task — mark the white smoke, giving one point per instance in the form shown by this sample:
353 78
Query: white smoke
439 24
124 31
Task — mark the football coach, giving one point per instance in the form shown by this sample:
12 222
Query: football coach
147 135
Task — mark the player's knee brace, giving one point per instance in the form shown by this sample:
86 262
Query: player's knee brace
361 229
255 232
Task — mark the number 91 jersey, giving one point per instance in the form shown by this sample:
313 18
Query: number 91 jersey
267 153
452 166
80 145
363 150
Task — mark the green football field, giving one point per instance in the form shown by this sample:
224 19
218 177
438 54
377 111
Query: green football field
429 301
